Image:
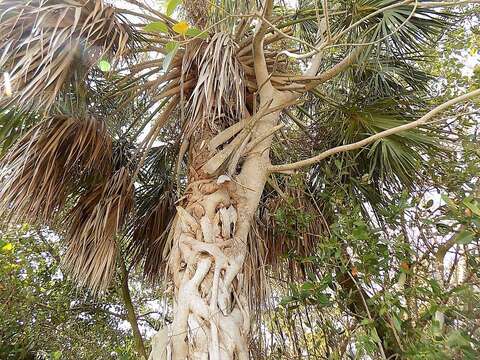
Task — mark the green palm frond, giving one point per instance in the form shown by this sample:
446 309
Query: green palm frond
155 198
397 159
383 76
46 44
373 95
306 20
403 29
388 166
13 124
379 170
397 40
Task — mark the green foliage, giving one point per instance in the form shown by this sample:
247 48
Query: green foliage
156 26
290 220
171 6
379 244
104 65
385 276
43 315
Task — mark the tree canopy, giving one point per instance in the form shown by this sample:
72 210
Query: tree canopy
318 159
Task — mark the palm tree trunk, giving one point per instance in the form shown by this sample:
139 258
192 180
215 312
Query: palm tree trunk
211 319
211 307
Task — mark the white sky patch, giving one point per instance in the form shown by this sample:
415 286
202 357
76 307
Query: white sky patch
124 325
470 62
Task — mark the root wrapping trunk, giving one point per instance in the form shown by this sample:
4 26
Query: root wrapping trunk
209 249
211 319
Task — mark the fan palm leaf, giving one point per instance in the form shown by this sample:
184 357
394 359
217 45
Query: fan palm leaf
155 198
13 124
46 44
94 223
48 162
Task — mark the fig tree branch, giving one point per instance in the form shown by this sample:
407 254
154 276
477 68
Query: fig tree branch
259 62
383 134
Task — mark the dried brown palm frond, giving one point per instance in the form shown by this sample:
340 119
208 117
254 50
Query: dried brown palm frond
48 162
46 43
287 224
197 11
93 225
219 93
276 242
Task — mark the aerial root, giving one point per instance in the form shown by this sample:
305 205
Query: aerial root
210 316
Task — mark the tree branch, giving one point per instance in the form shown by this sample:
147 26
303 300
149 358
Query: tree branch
325 76
432 4
327 20
124 292
323 29
259 63
336 69
424 119
316 52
